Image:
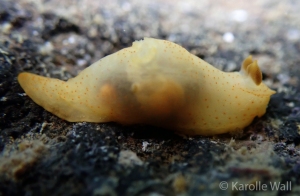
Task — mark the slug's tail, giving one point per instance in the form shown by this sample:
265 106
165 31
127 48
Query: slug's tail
46 92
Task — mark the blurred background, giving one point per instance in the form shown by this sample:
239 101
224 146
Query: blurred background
41 154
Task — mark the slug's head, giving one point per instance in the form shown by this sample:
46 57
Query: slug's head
251 70
252 83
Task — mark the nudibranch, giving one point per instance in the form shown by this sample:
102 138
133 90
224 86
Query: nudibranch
156 82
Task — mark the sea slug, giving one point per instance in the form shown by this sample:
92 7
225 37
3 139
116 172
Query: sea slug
159 83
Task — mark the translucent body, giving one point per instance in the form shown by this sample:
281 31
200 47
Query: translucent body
159 83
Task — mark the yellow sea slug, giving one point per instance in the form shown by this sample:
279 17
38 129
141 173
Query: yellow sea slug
159 83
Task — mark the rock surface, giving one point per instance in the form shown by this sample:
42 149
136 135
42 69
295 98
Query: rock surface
44 155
